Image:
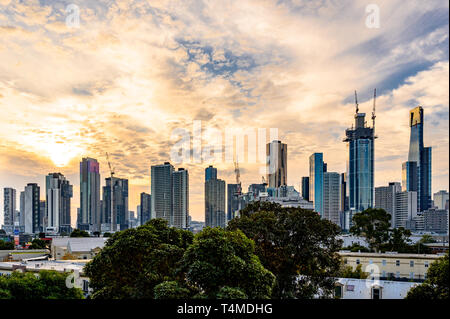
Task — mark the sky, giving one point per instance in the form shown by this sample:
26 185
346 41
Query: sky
131 73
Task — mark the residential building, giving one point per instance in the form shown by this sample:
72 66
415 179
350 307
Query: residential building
145 208
118 216
215 203
305 187
210 173
180 198
90 207
385 198
440 199
30 208
161 190
277 164
331 196
405 208
58 193
9 206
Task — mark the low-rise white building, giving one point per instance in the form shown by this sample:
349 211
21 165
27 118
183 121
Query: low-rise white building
350 288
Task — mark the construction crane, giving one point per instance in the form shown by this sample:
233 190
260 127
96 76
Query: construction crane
356 102
373 111
111 171
263 180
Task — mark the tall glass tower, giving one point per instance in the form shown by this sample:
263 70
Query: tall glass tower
417 170
316 169
360 139
90 213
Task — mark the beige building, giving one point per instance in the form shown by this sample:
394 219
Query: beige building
76 248
391 265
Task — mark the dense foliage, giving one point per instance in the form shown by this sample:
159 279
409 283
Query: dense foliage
136 260
48 285
6 245
436 286
222 263
38 244
79 233
296 245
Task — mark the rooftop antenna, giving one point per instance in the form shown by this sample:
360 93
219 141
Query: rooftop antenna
356 102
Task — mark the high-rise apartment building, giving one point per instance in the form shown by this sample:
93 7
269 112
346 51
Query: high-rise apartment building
417 171
58 193
360 174
30 208
232 200
215 203
316 181
385 198
405 208
9 206
331 197
210 173
145 213
161 190
277 164
180 198
117 217
440 199
90 210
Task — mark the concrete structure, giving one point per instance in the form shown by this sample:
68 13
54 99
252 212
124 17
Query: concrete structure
391 265
440 199
118 216
161 190
316 169
436 220
58 193
76 247
277 164
215 203
180 198
30 209
331 196
405 208
90 210
232 200
385 198
9 206
145 213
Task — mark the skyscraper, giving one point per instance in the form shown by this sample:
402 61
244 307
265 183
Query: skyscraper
405 208
180 198
9 206
210 173
232 200
344 195
215 203
30 216
417 171
118 216
440 199
305 188
331 194
360 139
277 164
161 189
316 181
58 193
90 210
385 199
146 208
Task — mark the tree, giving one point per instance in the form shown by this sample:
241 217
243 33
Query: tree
136 260
355 247
6 245
427 239
348 272
38 244
171 290
296 245
399 239
79 233
436 286
48 285
222 263
107 235
374 225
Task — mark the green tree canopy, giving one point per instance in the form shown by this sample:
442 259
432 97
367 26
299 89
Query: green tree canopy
6 245
48 285
374 225
79 233
296 245
436 286
222 263
38 244
134 261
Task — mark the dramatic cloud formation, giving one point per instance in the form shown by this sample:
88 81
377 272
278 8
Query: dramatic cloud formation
133 71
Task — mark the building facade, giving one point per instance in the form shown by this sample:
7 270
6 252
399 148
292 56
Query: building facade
90 208
385 198
331 197
440 199
277 164
58 193
417 171
118 216
9 206
316 169
305 187
215 203
145 208
405 208
161 190
360 141
30 211
180 198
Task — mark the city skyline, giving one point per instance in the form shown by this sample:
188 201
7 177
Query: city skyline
104 87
